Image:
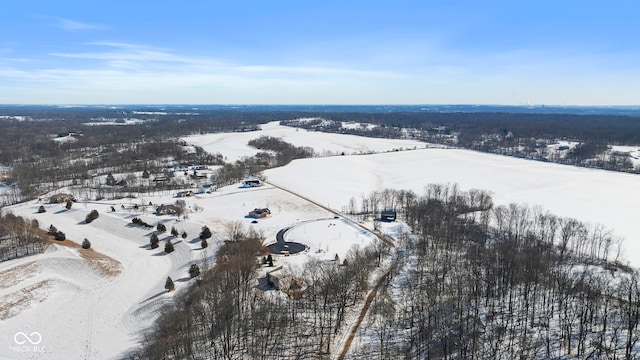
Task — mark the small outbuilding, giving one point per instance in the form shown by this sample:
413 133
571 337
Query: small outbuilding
388 215
187 193
252 182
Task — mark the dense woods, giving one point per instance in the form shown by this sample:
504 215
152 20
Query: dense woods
608 129
277 152
504 282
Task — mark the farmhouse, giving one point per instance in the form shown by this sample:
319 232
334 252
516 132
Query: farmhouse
61 198
159 180
167 210
207 188
259 213
252 182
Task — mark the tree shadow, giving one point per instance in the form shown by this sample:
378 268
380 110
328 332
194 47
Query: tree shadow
184 279
153 297
265 285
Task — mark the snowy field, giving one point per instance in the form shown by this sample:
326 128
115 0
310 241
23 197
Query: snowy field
95 306
234 145
589 195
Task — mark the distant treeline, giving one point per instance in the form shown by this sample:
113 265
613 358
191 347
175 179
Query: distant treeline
25 139
513 134
35 158
609 129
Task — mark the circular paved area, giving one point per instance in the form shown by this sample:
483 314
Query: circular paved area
281 247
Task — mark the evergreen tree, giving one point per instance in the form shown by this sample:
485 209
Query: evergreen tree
41 209
168 247
204 243
161 227
184 234
169 284
91 216
154 241
270 260
205 233
111 180
69 203
174 232
145 174
194 271
86 244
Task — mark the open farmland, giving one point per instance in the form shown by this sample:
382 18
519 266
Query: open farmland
233 146
593 196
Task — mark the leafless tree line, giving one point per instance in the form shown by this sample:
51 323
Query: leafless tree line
20 237
227 316
503 282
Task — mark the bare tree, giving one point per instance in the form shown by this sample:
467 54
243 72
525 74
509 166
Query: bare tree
235 230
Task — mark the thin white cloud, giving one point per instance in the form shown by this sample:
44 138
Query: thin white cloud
136 58
15 60
72 25
112 72
124 52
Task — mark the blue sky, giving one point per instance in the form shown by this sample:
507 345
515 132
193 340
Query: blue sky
322 52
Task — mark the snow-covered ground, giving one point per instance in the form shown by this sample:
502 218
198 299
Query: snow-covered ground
233 146
81 311
589 195
65 139
98 307
632 151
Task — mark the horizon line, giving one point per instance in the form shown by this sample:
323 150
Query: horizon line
321 104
